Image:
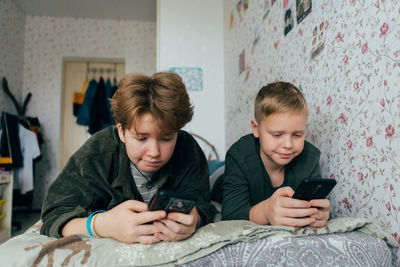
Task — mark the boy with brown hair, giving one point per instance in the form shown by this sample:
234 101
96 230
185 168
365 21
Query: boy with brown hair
105 188
263 168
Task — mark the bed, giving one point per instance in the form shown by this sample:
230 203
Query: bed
343 242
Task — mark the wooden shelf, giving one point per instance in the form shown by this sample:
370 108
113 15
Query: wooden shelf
6 178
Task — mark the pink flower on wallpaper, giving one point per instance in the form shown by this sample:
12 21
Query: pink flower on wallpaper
384 29
382 102
377 4
339 37
349 144
285 3
346 203
389 131
304 49
332 176
317 110
345 59
385 82
326 25
364 48
329 100
342 118
396 53
397 237
356 86
388 206
369 141
360 176
391 187
300 32
276 45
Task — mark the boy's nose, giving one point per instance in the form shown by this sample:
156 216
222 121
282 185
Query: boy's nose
154 149
287 142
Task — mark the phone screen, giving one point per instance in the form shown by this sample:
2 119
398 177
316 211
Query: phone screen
314 188
172 202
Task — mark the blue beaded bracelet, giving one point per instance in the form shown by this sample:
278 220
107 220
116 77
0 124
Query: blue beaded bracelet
88 222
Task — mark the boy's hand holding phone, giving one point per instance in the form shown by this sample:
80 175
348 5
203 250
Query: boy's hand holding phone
182 217
177 226
282 209
306 206
129 222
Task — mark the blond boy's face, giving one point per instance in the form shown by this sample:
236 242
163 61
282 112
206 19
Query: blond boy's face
281 138
145 147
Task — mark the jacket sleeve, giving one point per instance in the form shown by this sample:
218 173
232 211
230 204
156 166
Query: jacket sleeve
74 194
235 189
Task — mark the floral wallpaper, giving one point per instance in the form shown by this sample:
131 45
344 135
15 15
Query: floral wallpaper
345 56
12 23
47 41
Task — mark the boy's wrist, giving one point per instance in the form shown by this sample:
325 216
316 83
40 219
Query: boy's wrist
99 225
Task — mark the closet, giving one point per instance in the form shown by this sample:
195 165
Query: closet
75 71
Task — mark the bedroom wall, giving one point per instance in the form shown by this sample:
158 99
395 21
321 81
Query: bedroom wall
47 41
187 39
12 23
351 87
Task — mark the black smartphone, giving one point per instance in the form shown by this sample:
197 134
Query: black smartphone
314 188
172 202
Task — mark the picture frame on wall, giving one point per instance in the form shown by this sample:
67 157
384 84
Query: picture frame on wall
303 8
288 20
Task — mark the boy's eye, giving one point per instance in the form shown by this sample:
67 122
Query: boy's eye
166 139
276 134
141 139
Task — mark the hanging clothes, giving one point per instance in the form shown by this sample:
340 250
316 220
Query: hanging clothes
23 176
35 127
84 111
99 112
11 139
109 94
79 97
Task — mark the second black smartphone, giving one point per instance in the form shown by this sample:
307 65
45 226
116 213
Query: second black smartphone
314 188
172 202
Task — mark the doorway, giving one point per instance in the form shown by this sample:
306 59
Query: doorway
73 135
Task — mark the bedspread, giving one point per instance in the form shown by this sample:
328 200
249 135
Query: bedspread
343 242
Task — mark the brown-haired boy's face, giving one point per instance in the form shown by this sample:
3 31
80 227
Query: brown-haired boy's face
146 147
281 138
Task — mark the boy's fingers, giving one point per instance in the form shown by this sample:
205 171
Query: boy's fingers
148 239
296 203
320 203
145 230
136 205
149 216
299 213
299 221
286 191
186 219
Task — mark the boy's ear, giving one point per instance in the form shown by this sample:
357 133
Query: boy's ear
121 133
254 127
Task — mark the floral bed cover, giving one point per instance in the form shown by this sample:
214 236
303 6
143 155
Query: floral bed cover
343 242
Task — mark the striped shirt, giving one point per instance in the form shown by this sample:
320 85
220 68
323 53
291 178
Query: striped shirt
141 178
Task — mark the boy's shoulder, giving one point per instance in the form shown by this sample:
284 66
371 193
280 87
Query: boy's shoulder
104 141
311 149
245 146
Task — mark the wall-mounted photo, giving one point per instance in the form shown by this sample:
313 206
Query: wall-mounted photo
288 20
303 8
242 62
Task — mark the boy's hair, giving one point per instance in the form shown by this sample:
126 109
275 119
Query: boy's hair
162 95
279 97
